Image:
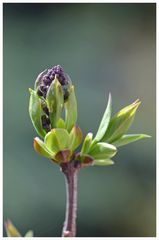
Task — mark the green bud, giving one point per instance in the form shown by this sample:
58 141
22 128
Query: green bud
120 123
70 109
55 102
103 151
35 112
55 146
57 140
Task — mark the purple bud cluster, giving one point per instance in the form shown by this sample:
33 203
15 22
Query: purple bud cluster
46 80
43 83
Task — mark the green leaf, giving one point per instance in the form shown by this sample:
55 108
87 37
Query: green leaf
55 102
103 162
29 234
60 123
121 122
102 151
35 111
41 148
71 110
57 139
86 144
75 138
11 230
105 121
129 138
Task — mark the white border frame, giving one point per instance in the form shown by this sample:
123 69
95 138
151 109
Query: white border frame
1 116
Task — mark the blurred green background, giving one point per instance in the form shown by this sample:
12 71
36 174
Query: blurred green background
104 48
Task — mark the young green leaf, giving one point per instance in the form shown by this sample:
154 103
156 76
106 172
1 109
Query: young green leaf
86 144
75 138
35 111
129 138
42 149
105 121
70 110
55 102
103 162
103 151
60 123
57 139
120 123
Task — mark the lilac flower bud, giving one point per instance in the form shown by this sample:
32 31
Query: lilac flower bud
48 78
52 88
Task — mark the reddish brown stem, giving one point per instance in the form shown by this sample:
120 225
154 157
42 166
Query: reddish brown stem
70 171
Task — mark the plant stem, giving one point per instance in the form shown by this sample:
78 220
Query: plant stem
71 172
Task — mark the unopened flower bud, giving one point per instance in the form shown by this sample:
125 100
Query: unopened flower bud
48 77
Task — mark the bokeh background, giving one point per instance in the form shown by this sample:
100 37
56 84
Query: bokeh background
104 48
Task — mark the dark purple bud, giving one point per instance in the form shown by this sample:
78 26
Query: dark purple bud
49 77
66 94
44 107
46 110
46 123
47 80
39 92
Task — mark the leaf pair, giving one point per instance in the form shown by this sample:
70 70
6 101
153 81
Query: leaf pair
112 130
101 152
58 144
